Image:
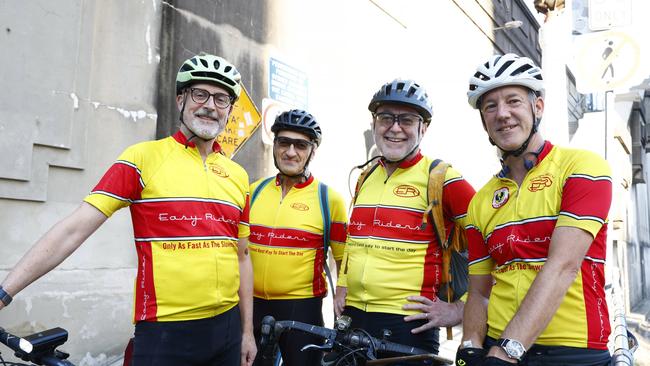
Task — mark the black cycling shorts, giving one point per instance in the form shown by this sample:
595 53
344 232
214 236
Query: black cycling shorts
212 341
303 310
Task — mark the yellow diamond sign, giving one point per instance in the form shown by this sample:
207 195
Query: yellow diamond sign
243 121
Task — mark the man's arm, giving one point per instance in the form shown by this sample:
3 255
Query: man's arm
475 315
248 348
566 253
54 247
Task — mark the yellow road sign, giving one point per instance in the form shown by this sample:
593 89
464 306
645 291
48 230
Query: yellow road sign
607 60
243 121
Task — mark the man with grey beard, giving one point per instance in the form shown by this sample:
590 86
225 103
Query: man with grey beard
189 206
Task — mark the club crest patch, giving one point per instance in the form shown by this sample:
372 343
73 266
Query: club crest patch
500 197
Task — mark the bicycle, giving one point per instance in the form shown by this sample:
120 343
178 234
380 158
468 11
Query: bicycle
344 346
38 348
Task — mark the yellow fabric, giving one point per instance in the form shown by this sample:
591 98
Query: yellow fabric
286 242
388 255
510 229
187 218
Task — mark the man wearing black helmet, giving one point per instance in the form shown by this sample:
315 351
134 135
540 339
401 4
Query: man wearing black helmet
537 235
189 207
391 269
294 218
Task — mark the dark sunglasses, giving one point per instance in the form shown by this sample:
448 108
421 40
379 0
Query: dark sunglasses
298 144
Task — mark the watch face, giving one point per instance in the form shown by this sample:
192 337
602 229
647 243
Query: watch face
514 349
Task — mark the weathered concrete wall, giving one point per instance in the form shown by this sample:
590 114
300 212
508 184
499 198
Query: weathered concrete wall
79 80
89 78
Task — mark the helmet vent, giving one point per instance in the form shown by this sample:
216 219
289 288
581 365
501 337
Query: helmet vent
204 62
521 69
187 67
227 69
503 68
412 90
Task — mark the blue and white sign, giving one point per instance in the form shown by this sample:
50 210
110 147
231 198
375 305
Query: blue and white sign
287 84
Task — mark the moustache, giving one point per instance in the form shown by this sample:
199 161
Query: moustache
204 113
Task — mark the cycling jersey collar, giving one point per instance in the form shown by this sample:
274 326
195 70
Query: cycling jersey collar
180 137
299 185
548 146
408 162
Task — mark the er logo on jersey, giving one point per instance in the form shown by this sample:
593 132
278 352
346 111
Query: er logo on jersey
219 171
299 206
540 182
500 197
406 191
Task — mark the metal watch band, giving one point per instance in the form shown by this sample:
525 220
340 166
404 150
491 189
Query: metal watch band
5 297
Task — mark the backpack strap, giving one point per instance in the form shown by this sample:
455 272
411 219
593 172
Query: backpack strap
327 225
433 212
258 189
362 178
325 212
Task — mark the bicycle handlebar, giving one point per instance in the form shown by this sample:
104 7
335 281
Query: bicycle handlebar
341 339
38 348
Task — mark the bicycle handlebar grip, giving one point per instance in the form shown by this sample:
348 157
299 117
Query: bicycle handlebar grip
307 328
387 346
14 342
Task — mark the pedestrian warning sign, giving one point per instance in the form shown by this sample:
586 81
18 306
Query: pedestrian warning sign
605 61
243 121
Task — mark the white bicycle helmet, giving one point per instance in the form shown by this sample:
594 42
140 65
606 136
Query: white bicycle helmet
209 68
509 69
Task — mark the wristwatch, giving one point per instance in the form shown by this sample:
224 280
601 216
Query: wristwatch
513 348
5 297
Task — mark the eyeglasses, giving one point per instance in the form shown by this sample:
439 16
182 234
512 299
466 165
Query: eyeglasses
404 120
202 96
298 144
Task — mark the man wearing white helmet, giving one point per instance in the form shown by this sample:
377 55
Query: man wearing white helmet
537 235
189 207
392 265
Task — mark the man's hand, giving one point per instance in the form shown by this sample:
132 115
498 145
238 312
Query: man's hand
248 349
339 300
436 313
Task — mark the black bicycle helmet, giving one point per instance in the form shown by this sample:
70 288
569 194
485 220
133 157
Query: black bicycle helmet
211 69
299 121
405 92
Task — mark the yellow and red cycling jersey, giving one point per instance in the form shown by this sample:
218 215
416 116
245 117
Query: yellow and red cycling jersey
388 255
187 217
286 240
510 229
